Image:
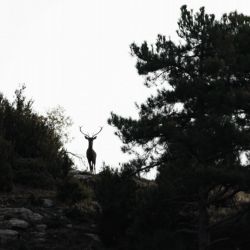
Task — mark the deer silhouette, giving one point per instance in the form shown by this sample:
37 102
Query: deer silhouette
90 153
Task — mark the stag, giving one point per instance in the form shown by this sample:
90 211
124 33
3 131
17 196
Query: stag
90 153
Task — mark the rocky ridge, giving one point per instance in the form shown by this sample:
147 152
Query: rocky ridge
35 220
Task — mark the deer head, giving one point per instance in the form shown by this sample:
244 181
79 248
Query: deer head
88 137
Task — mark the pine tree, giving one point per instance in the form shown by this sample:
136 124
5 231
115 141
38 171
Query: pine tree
196 129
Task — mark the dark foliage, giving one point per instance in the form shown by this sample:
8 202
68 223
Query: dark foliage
195 130
72 191
32 153
32 172
117 196
6 177
136 214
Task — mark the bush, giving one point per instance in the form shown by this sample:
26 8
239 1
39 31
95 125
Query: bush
33 173
116 194
6 176
84 210
72 191
136 215
31 147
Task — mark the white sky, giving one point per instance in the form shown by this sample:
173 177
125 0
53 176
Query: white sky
75 53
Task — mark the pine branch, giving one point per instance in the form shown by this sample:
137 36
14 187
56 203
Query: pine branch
225 198
145 168
232 218
218 240
75 155
186 230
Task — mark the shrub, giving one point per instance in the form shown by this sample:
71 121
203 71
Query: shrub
72 191
30 144
33 173
6 176
116 194
84 210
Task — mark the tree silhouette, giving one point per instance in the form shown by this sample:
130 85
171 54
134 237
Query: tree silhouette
196 128
32 149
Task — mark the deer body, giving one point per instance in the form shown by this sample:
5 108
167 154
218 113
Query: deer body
90 153
91 156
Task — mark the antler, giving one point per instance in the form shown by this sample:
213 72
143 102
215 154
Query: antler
97 132
83 132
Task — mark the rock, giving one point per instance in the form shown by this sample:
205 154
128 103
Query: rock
35 217
23 213
7 234
48 203
82 177
17 223
74 171
41 227
94 226
41 239
97 207
94 237
39 235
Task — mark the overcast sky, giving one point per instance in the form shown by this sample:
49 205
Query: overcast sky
75 53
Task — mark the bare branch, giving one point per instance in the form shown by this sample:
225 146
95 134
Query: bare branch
145 168
186 230
156 76
77 156
230 219
226 197
218 240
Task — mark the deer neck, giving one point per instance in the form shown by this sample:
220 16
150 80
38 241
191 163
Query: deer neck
90 144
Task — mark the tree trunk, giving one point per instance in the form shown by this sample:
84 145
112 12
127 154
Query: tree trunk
203 233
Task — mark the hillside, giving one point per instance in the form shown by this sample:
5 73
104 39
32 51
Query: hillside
36 219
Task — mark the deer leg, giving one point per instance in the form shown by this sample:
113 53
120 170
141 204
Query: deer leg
90 167
94 167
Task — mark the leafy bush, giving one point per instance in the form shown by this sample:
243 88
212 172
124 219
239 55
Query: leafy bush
116 194
136 213
72 191
6 176
84 210
34 143
32 172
